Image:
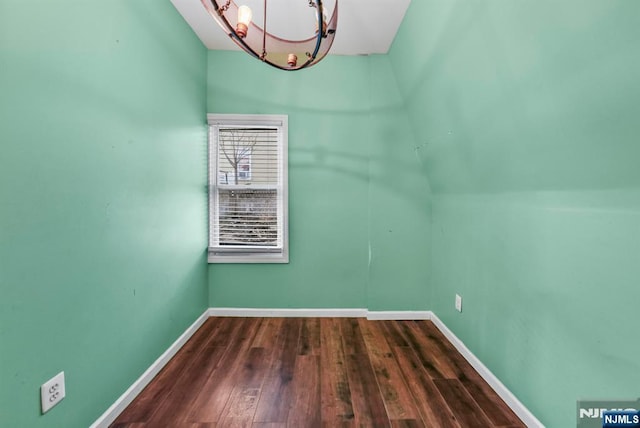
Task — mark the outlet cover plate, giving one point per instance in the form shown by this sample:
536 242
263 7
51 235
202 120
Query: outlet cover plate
458 303
52 392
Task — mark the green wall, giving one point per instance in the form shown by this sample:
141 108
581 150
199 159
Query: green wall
356 193
102 199
493 153
399 208
528 115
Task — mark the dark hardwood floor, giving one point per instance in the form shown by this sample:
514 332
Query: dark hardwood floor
317 372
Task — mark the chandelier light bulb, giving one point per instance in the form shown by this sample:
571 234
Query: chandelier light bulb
244 19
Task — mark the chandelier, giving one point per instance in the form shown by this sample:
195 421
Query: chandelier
257 41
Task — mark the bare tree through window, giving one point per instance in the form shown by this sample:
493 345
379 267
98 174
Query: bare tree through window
237 145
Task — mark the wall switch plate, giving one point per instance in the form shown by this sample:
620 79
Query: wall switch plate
52 392
458 303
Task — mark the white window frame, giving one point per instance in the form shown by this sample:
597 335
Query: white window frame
217 254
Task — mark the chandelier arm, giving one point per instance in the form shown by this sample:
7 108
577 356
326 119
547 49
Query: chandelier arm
264 32
320 28
223 12
223 8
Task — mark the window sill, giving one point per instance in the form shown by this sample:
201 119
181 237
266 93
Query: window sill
248 258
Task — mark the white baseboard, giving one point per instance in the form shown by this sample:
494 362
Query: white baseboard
288 313
130 394
320 313
398 315
507 396
518 408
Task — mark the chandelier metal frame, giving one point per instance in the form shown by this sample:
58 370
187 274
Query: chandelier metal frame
281 53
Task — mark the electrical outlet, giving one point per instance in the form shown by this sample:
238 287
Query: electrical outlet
458 303
52 392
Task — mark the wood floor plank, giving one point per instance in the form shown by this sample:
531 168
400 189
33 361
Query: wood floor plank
395 394
267 334
216 391
368 406
240 407
431 405
374 338
432 332
309 337
185 389
156 392
462 404
250 372
224 331
305 411
275 399
203 335
129 425
394 334
342 424
336 408
407 423
153 396
352 340
496 410
269 425
243 400
433 361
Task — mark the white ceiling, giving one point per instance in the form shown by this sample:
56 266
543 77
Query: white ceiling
364 26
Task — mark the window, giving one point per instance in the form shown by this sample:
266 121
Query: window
248 189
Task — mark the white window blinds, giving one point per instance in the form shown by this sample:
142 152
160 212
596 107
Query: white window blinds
248 189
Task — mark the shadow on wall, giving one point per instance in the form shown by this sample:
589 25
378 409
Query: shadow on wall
374 146
399 176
